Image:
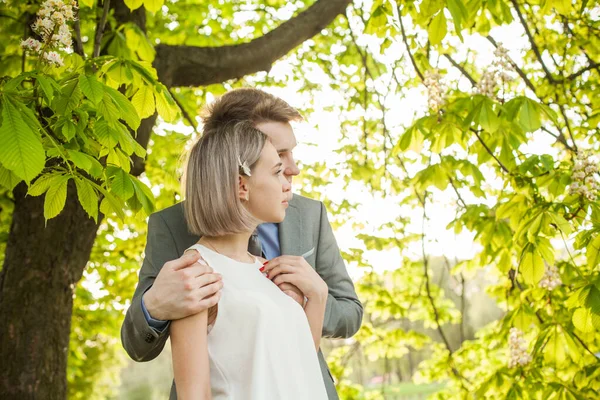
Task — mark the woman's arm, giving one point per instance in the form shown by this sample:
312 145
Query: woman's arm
189 347
315 313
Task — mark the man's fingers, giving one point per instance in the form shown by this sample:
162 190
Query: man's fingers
208 290
206 279
189 258
197 270
208 302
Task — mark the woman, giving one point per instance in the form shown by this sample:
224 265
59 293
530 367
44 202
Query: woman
257 343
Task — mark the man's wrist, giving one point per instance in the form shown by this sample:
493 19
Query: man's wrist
148 304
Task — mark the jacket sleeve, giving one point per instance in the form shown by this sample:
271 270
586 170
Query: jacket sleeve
140 340
344 312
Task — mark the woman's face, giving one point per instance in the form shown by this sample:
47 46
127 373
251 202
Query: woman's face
268 189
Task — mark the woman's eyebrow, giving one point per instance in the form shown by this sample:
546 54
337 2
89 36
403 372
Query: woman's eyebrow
279 164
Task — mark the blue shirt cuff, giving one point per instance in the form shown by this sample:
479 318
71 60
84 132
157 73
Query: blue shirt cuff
156 324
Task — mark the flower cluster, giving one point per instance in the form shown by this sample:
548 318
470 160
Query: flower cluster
435 90
51 26
551 279
584 180
499 71
518 349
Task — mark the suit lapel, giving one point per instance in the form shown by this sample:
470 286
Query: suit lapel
291 232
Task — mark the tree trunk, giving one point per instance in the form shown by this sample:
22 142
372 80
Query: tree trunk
41 268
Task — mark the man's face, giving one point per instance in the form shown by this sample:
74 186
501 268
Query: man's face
283 138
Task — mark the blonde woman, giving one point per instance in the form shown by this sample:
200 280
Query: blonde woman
257 342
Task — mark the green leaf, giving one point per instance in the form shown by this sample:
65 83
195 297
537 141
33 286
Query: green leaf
80 160
487 116
69 98
459 13
46 85
105 134
69 130
122 184
8 179
592 300
529 115
91 87
144 195
143 101
110 204
166 106
153 5
55 199
593 252
583 320
88 3
108 109
128 111
44 182
532 266
134 4
438 28
21 151
87 197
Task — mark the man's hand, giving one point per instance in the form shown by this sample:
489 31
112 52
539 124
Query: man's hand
292 291
295 270
183 287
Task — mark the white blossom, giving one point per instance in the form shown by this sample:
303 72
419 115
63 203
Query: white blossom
501 71
435 89
519 356
51 26
53 58
32 45
551 279
584 177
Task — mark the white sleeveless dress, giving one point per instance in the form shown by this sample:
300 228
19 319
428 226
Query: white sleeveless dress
260 346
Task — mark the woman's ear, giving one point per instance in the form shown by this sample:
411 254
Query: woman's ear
243 189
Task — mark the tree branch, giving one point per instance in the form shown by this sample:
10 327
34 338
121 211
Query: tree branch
100 28
405 40
516 67
78 44
461 69
200 66
534 47
490 151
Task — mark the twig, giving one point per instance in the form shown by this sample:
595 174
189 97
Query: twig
461 69
405 40
100 28
534 47
516 67
490 151
184 112
559 138
78 46
568 125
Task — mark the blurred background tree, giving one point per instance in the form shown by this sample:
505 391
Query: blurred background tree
454 142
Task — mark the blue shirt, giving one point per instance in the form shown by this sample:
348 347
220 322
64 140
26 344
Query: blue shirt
268 234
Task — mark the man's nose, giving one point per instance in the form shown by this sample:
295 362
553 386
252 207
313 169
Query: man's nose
292 169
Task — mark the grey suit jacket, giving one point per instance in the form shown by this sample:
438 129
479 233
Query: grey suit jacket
305 229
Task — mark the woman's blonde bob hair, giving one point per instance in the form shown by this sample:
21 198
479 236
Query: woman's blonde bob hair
211 179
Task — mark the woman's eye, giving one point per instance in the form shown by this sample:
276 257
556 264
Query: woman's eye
279 171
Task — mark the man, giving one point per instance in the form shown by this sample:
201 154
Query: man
172 286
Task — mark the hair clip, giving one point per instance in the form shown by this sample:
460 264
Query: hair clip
244 167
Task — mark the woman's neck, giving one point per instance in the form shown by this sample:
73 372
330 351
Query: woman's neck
234 246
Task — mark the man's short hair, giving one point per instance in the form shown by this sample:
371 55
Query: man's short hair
247 104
